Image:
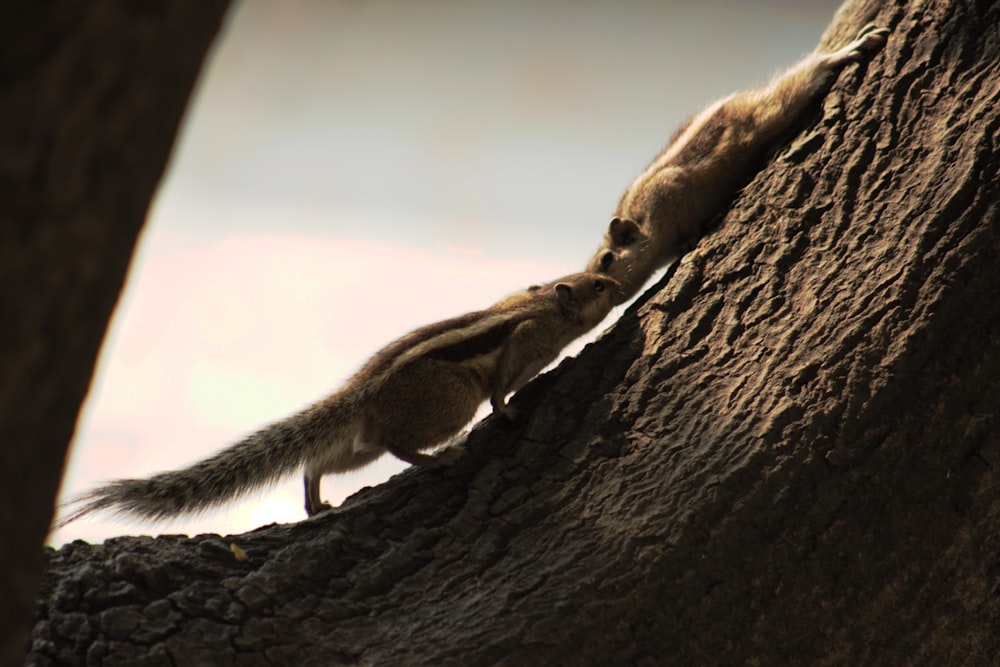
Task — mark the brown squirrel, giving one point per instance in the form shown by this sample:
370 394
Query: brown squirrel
706 160
415 394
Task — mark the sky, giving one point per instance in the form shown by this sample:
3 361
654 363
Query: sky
350 170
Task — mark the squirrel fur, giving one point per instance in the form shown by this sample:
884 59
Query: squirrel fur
415 394
711 155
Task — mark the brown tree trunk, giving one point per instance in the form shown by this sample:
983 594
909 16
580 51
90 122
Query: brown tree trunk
787 453
91 95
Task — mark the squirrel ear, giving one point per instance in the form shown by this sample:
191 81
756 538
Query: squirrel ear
567 300
624 232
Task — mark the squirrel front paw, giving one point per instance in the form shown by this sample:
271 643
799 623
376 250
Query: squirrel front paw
871 38
505 409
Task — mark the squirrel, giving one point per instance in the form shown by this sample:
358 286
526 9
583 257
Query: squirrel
709 157
415 394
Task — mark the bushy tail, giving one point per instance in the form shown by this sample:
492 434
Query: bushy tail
262 457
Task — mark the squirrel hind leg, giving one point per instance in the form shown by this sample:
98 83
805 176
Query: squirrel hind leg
314 505
427 405
313 476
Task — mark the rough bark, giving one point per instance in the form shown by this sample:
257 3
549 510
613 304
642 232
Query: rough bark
91 95
787 453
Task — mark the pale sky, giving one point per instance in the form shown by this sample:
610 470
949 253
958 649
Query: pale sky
349 171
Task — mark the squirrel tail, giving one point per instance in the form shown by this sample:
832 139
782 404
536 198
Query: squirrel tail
262 457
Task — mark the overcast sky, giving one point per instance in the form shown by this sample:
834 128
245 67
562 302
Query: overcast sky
349 171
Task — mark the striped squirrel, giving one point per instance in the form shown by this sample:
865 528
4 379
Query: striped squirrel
710 156
416 393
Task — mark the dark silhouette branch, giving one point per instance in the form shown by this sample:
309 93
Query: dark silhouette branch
91 95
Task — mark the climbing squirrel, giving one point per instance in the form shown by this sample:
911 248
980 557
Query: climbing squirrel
416 393
710 156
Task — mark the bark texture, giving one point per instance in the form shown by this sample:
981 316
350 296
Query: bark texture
91 95
787 453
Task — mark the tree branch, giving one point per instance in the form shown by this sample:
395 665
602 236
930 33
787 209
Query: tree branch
91 95
785 453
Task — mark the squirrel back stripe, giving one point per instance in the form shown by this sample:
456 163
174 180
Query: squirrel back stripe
477 345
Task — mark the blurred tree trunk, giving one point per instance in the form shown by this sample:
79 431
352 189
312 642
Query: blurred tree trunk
91 95
787 453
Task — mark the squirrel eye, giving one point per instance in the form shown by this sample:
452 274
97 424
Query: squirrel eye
606 259
598 286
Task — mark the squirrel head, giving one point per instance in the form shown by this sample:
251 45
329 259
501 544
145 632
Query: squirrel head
620 253
586 297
